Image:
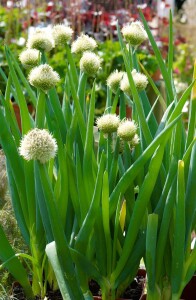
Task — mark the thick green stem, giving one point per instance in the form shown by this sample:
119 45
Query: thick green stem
40 111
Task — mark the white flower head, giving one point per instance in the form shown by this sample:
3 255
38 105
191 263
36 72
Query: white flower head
43 77
127 130
83 43
108 123
134 33
114 79
62 34
140 81
90 63
38 144
29 58
41 39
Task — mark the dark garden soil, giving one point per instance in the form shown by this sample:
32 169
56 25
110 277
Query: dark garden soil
18 294
133 292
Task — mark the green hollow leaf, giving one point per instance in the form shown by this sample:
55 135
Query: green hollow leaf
154 87
17 206
13 264
77 107
62 247
192 122
72 64
25 117
87 226
134 170
132 265
151 241
106 221
179 232
160 60
136 99
81 92
56 106
24 80
164 228
15 161
11 118
171 46
88 150
178 108
53 258
139 210
190 193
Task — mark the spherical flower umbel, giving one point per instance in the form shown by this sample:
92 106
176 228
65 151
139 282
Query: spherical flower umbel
108 123
38 144
140 81
90 63
134 33
41 40
114 80
127 130
62 34
83 43
29 58
43 77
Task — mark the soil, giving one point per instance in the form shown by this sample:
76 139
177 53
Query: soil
18 294
133 292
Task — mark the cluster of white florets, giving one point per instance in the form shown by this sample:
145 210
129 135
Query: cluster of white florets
114 79
29 58
127 132
126 129
83 43
139 79
90 63
134 33
62 34
45 39
108 123
41 39
38 144
43 77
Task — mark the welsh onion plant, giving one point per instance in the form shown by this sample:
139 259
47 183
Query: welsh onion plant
88 206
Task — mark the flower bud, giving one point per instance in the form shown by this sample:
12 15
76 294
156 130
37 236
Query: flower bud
29 58
61 34
134 33
43 77
83 43
90 63
108 123
135 141
41 40
127 130
38 144
114 80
